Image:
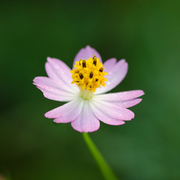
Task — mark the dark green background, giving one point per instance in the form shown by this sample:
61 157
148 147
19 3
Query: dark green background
145 33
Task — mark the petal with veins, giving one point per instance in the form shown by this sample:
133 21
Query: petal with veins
52 73
74 106
86 121
71 113
104 118
53 90
109 64
129 103
120 96
112 110
59 70
114 77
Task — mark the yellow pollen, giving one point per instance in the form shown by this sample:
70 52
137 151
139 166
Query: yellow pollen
89 74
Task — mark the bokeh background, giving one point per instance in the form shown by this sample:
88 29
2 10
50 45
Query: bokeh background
145 33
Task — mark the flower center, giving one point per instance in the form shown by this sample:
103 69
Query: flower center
89 74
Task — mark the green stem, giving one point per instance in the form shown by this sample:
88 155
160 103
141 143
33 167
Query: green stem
103 166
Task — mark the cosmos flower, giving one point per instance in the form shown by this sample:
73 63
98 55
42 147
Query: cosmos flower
83 89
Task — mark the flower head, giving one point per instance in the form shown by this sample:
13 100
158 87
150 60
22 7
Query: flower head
83 88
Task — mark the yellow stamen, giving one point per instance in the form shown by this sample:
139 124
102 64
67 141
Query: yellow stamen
89 74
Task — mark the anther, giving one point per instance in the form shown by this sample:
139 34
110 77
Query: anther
101 69
91 74
84 63
95 62
96 79
81 76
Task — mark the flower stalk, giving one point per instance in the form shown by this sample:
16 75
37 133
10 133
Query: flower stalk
102 164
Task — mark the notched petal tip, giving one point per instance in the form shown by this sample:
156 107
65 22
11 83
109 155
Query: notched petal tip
35 79
130 103
124 65
38 80
47 115
142 92
49 58
130 116
55 61
139 93
88 46
52 60
122 61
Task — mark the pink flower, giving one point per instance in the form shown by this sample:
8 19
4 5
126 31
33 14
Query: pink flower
83 88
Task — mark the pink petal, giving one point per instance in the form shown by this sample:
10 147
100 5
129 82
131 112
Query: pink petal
114 77
130 103
53 90
67 112
109 64
86 53
70 114
86 122
121 96
104 118
56 69
50 83
112 110
52 73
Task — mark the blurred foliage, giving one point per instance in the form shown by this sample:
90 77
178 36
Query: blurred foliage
145 33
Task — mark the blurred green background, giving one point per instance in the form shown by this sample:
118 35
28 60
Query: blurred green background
145 33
